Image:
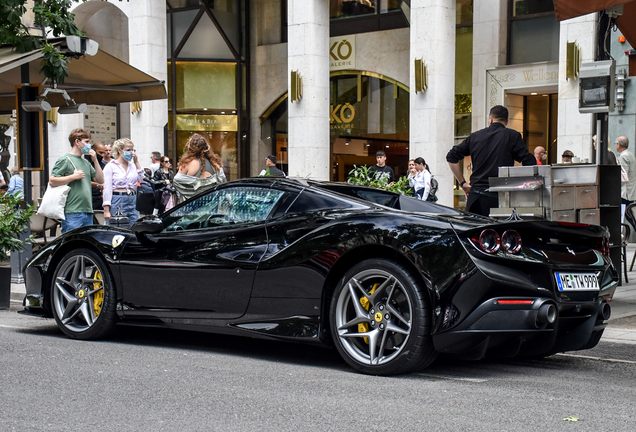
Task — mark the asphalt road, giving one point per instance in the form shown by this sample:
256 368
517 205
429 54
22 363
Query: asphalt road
164 380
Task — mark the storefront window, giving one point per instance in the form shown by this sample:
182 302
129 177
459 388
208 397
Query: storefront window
361 16
207 78
206 86
534 32
351 8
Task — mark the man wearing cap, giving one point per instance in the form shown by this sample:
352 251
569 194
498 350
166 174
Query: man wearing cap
489 148
270 168
567 156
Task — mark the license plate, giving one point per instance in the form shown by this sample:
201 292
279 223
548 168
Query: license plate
577 281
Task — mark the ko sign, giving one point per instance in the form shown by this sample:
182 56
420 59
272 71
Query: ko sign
342 52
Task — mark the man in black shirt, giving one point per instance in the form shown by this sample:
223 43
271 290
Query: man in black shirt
489 148
270 168
381 171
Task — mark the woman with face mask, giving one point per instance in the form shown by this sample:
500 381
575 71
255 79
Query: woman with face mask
121 176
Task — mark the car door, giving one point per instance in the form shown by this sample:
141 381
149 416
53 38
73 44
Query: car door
205 258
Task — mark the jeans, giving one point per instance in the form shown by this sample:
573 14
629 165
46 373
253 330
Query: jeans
76 220
128 204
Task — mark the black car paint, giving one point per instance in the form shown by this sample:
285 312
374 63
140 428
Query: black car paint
281 289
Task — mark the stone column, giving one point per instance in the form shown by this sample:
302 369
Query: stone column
148 52
489 51
432 113
308 119
575 130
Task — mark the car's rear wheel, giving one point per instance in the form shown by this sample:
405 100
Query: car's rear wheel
381 320
83 296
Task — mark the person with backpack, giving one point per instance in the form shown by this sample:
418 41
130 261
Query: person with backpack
422 184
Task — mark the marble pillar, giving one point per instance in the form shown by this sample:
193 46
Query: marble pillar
308 119
490 27
575 130
432 112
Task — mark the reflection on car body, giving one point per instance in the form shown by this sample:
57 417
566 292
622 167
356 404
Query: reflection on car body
390 281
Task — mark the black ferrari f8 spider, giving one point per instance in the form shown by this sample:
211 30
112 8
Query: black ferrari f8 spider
389 280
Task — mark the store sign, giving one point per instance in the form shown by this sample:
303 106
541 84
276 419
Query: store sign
221 123
341 116
342 52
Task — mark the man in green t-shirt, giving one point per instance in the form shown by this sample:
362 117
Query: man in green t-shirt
72 169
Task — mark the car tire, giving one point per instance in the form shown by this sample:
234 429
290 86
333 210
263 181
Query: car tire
380 319
83 296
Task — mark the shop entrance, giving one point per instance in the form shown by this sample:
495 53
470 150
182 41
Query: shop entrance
368 113
534 115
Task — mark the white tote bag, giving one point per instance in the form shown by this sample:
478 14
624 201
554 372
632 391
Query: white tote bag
54 200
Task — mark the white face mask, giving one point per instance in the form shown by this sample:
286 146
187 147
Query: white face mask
544 157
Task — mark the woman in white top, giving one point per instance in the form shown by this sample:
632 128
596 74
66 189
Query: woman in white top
121 176
422 184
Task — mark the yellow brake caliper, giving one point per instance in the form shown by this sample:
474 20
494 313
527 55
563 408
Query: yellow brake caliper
98 297
364 327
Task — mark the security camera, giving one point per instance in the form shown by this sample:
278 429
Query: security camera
34 106
73 109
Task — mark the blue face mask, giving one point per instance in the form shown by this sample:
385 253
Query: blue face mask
86 148
128 155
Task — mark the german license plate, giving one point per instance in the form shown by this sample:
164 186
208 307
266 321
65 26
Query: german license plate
577 281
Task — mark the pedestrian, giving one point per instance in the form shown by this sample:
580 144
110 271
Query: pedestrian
121 176
165 197
200 168
380 171
540 155
270 168
609 157
567 156
16 184
97 188
155 157
422 183
489 148
76 172
411 173
108 154
627 160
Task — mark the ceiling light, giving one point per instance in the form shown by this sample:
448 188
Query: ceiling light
387 146
533 94
205 109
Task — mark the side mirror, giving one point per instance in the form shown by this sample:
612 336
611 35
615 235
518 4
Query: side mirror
148 225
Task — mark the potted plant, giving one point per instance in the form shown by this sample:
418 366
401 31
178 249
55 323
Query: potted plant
13 221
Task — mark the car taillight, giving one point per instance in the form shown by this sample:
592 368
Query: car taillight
490 242
511 241
603 246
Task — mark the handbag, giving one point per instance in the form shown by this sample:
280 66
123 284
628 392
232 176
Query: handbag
54 200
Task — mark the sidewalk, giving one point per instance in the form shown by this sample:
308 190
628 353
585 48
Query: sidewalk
622 323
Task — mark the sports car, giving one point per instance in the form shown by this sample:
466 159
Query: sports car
389 280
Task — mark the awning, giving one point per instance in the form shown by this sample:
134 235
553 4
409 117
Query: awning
98 79
566 9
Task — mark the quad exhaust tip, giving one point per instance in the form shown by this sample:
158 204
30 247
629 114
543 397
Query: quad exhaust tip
547 314
606 311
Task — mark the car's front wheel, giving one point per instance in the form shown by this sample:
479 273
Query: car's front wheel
83 296
380 319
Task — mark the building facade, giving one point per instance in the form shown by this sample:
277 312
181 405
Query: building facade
228 70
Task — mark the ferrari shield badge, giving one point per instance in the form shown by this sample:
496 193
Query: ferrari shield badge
117 240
